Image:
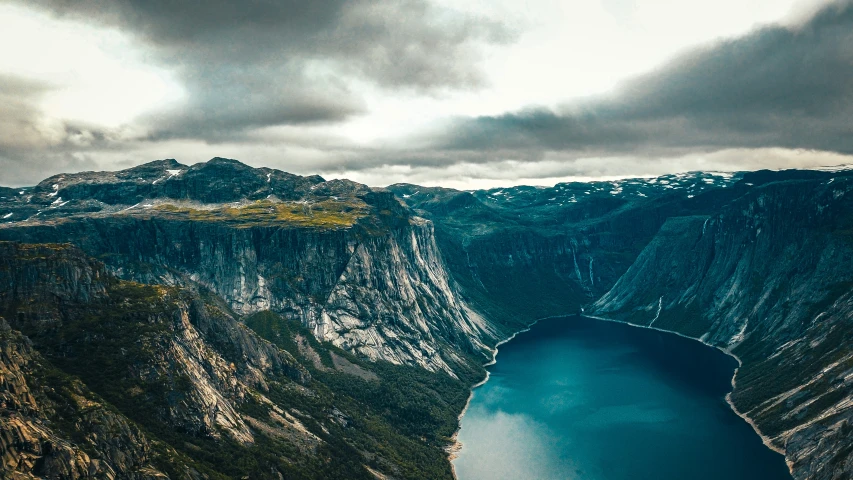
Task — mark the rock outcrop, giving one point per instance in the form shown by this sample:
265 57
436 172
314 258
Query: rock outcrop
212 395
52 426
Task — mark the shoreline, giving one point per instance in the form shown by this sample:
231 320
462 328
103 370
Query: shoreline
767 441
455 446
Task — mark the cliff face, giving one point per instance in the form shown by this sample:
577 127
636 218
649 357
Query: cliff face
524 253
154 342
60 429
767 278
106 378
395 301
346 261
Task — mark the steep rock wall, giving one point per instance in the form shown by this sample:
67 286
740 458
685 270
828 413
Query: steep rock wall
386 296
769 279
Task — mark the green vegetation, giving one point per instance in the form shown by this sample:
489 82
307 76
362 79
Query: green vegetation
397 422
321 214
405 419
283 332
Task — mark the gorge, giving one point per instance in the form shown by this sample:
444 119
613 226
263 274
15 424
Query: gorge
232 321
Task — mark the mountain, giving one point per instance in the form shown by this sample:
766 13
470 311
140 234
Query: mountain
768 279
108 378
349 262
233 313
756 263
524 253
231 320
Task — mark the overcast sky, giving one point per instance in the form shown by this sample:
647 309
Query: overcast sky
464 94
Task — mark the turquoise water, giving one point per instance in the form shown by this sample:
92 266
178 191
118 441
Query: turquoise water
577 398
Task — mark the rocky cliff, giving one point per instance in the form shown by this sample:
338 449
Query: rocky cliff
524 253
249 320
52 426
349 262
767 278
108 378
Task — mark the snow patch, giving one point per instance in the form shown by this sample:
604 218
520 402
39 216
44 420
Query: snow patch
7 215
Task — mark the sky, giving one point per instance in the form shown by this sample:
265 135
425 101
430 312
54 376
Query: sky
472 94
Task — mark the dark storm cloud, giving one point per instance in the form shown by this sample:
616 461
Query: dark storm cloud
256 63
779 86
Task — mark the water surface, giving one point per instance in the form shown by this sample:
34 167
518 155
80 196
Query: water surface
576 398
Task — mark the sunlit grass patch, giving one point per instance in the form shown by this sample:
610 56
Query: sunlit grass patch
322 214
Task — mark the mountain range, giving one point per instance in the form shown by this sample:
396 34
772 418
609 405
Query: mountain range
223 321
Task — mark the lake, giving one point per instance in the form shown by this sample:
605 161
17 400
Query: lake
577 398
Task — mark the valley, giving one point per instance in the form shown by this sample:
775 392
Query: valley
237 321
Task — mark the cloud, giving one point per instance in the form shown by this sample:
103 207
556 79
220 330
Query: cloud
32 143
265 81
776 87
21 121
258 63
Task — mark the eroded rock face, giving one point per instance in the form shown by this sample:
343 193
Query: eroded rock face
349 262
205 386
162 337
395 301
769 279
38 422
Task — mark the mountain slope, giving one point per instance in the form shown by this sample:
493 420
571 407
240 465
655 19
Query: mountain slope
349 262
524 253
190 391
768 279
